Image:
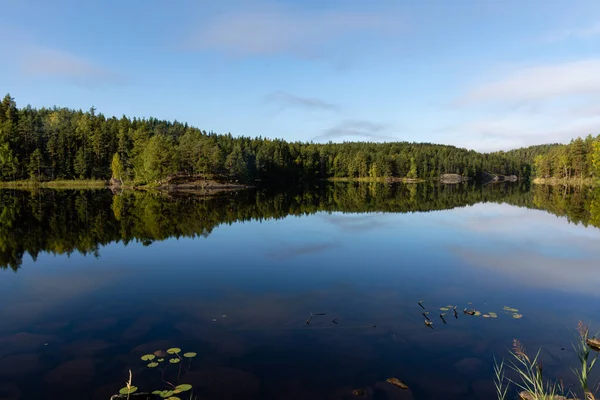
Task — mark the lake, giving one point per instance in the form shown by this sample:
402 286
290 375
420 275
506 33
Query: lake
92 281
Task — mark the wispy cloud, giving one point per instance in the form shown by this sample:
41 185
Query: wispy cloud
507 132
530 105
294 251
45 62
357 223
575 33
353 128
541 82
288 100
269 29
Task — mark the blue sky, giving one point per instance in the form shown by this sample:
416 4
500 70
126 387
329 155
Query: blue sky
481 74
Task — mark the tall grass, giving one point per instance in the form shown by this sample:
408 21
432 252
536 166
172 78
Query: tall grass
528 371
583 354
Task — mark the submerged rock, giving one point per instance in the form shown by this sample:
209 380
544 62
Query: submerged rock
359 392
593 343
524 395
397 382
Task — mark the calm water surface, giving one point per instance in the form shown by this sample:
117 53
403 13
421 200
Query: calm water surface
93 281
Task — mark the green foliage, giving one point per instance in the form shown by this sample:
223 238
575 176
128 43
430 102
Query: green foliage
583 354
579 159
116 166
596 157
59 143
171 389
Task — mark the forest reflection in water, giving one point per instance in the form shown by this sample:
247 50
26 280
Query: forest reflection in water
234 279
67 221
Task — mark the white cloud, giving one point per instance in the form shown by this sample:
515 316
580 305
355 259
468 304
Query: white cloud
530 105
354 128
269 29
287 100
45 62
510 132
541 83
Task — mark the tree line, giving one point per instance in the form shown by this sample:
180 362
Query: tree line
579 160
60 143
82 221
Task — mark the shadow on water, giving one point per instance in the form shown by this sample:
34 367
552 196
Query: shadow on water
235 280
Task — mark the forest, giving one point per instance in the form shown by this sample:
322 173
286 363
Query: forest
82 221
59 143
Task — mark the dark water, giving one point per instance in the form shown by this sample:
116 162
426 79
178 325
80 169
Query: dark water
93 281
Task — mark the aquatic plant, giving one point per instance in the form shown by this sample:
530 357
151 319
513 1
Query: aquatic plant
159 360
532 384
129 388
583 350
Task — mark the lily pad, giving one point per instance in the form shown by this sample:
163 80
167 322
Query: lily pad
160 360
160 353
507 308
152 365
174 360
157 392
166 394
174 350
444 308
486 316
517 316
492 314
190 354
477 313
184 387
173 398
128 390
148 357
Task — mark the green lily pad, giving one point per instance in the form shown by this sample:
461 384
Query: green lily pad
491 314
148 357
166 394
152 365
174 360
517 316
444 308
184 387
128 390
507 308
189 355
157 392
477 313
174 350
160 360
173 398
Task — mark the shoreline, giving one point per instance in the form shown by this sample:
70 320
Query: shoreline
383 180
204 188
565 182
